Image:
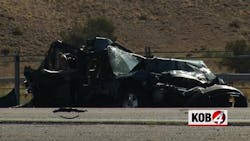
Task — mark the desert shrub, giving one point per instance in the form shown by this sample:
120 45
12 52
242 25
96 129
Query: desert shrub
239 58
143 17
93 27
17 31
5 51
235 24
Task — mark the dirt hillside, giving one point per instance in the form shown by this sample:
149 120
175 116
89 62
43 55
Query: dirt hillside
164 25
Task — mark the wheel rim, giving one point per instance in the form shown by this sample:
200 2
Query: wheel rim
131 101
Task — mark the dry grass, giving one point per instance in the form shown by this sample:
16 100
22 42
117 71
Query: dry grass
8 69
5 88
162 24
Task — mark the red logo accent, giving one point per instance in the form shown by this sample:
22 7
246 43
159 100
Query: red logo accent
218 117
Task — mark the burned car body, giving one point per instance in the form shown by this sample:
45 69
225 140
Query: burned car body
104 73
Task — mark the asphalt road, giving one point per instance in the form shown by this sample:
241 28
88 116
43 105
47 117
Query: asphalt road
148 124
102 132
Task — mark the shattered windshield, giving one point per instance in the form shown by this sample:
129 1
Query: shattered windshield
122 62
200 66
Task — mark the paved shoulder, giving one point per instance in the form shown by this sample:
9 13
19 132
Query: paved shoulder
157 116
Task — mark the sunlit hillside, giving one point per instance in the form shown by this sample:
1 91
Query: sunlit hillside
163 25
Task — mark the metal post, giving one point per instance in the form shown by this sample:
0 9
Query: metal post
148 52
17 75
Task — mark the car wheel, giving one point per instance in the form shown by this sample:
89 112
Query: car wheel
130 100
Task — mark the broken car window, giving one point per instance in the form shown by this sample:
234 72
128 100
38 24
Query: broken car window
200 66
122 62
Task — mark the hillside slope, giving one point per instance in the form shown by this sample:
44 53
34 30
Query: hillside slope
164 25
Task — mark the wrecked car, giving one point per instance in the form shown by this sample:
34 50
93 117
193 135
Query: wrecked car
104 73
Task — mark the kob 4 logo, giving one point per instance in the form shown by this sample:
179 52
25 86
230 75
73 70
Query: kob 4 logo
207 117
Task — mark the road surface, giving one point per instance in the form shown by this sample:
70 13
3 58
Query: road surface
116 124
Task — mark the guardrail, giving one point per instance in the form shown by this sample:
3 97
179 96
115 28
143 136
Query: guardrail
10 79
230 77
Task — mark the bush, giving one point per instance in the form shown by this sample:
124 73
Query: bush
17 31
239 58
94 27
5 51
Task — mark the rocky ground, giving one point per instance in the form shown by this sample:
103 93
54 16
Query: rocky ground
164 25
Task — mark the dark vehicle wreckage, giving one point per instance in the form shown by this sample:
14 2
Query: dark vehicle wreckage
104 73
